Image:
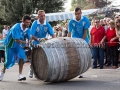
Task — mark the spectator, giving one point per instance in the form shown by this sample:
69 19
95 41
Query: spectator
105 24
91 26
102 22
65 32
97 33
8 28
112 45
55 30
2 48
117 27
117 16
59 29
5 31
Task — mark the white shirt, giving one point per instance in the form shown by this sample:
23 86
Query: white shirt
48 36
106 28
4 32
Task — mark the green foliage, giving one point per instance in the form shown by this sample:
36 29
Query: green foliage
51 5
1 28
13 10
89 4
78 3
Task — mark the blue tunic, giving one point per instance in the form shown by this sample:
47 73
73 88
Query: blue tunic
2 46
77 27
40 30
13 48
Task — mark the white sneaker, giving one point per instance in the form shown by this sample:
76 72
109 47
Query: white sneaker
21 77
119 49
119 68
1 76
30 74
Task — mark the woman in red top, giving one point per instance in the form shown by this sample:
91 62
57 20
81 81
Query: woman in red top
112 45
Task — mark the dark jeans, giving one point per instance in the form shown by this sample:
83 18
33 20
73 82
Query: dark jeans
2 54
113 55
98 55
106 53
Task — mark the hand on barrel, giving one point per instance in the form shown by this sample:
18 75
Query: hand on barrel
42 39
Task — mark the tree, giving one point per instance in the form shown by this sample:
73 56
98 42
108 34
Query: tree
100 3
89 4
78 3
15 9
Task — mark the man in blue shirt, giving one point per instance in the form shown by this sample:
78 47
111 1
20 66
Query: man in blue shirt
39 29
78 26
15 43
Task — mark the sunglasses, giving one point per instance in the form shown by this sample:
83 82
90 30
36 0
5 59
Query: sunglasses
96 22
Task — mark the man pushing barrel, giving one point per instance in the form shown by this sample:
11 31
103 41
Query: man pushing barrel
39 29
78 26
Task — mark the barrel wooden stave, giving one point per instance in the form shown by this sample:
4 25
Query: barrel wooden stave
63 63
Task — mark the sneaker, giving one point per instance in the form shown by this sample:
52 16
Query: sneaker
101 67
119 68
119 49
80 76
94 67
1 76
31 74
21 77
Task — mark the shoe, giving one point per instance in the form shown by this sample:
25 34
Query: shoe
98 65
94 67
30 74
21 78
80 76
118 49
1 76
108 64
119 68
114 67
101 67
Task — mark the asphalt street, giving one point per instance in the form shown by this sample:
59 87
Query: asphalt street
94 79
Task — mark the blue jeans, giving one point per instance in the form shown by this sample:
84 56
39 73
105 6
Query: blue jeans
98 55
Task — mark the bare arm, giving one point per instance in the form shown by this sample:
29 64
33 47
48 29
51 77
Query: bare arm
115 38
85 34
103 39
34 38
20 41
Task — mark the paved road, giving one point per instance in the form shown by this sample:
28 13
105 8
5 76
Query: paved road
94 79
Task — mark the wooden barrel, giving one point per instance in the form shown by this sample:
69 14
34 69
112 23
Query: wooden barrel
61 59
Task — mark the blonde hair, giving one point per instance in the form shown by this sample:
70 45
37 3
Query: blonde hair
40 11
117 27
112 22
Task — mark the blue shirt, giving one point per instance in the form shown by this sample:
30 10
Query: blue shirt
2 46
40 30
16 32
77 27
